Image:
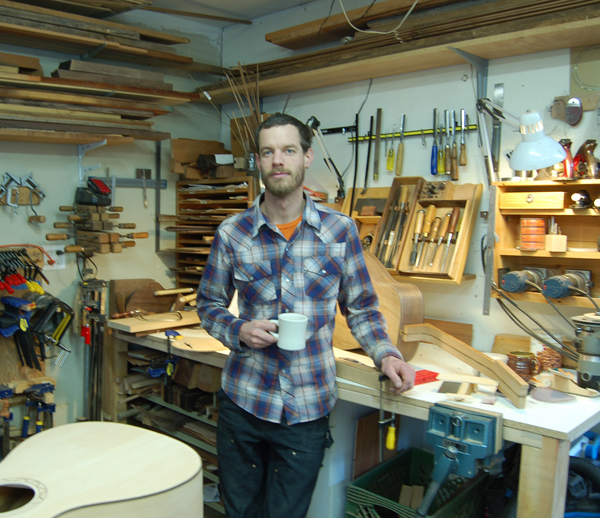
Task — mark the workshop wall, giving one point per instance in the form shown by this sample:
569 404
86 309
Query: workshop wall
55 169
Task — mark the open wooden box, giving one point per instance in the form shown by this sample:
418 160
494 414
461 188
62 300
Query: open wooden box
444 196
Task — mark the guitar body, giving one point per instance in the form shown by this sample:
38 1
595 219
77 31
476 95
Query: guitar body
95 470
400 304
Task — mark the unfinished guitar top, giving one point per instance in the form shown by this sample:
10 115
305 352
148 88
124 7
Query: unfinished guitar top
400 304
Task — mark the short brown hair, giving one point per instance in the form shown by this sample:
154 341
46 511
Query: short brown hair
282 119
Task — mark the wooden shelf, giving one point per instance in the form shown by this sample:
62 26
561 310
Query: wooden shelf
581 227
506 40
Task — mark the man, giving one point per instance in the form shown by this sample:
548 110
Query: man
285 254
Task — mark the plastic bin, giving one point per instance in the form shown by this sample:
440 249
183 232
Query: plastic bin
376 493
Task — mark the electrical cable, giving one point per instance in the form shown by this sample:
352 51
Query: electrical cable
565 351
583 292
393 31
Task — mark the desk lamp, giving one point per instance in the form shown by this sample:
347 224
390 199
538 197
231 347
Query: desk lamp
535 151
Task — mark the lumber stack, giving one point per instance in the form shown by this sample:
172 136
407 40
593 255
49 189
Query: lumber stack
498 28
49 29
94 103
100 8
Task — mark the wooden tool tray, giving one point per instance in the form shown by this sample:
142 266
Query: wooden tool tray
467 198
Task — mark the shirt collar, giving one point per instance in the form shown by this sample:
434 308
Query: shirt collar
310 215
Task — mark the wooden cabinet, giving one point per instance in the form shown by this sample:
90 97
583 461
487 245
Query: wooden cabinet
551 202
201 206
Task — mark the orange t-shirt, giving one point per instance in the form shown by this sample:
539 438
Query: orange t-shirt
287 229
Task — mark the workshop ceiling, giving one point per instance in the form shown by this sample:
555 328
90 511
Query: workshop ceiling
235 9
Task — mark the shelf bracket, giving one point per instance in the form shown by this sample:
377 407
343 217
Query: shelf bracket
481 65
489 251
82 150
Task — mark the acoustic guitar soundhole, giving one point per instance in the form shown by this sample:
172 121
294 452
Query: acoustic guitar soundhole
13 497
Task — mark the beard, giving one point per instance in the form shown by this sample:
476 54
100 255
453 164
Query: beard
286 185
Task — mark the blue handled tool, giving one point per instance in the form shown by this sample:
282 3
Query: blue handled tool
434 150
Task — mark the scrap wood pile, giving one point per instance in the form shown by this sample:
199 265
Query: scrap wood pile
49 29
433 23
83 102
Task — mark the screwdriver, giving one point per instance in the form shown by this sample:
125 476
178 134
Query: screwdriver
434 149
435 227
428 220
447 151
454 163
440 238
451 230
463 154
418 229
440 158
400 151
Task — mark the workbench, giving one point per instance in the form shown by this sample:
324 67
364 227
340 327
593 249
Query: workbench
545 430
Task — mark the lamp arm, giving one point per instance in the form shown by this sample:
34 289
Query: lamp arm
497 112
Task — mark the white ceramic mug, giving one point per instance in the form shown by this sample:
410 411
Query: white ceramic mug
292 331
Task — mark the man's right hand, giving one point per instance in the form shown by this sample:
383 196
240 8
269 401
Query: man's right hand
254 334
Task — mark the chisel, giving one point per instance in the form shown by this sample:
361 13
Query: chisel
440 238
377 144
434 149
370 135
451 231
435 227
403 215
454 162
400 150
463 151
390 153
418 229
447 150
428 220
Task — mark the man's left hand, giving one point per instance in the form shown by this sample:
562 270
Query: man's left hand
401 374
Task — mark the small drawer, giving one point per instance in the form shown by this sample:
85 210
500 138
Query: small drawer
532 200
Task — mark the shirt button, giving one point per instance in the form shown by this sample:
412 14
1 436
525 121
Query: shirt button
287 280
287 310
323 272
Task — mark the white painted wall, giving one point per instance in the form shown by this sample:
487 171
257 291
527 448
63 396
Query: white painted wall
530 82
55 168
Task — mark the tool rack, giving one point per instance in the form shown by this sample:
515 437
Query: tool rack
445 196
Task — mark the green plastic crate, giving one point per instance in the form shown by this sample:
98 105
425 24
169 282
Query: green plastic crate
376 493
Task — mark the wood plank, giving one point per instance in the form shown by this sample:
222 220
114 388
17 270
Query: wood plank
110 70
147 34
91 110
78 128
117 123
81 99
109 79
60 137
23 62
578 28
155 323
42 111
336 26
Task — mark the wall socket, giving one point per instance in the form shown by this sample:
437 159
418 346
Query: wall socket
60 263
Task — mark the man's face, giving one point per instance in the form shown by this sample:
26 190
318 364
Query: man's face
281 160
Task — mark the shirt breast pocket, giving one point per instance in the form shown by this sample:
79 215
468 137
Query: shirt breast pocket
322 277
255 281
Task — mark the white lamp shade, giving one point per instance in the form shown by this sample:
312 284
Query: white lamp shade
537 150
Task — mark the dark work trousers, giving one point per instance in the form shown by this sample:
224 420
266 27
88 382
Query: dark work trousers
267 470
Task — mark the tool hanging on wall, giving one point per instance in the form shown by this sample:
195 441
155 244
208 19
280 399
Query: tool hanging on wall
390 153
400 151
428 221
16 191
451 231
417 234
368 157
377 144
434 149
463 149
454 163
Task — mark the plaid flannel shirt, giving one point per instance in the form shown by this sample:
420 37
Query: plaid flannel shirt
322 264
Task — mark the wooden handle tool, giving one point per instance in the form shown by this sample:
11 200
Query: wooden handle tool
441 237
428 220
418 229
57 237
451 231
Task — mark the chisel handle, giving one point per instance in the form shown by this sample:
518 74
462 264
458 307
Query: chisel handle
399 158
463 155
453 222
435 227
447 160
137 235
419 222
454 164
434 159
440 160
445 225
62 224
404 191
73 249
57 237
428 219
